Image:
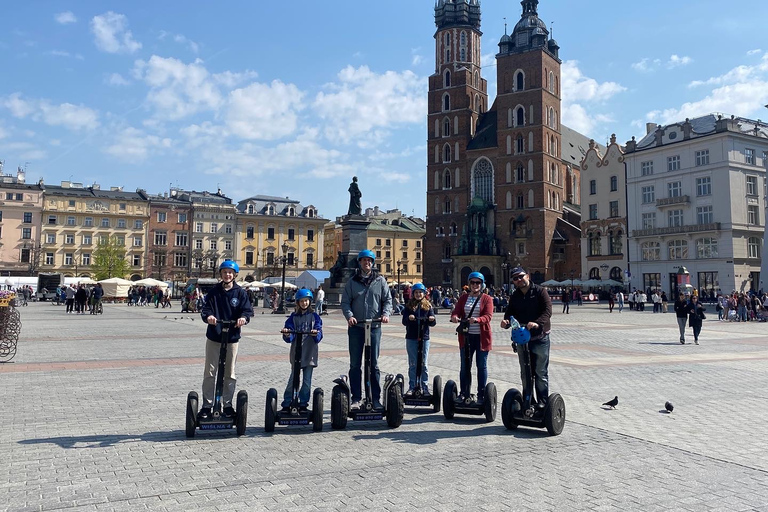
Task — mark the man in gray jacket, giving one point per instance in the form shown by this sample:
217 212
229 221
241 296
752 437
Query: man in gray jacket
366 296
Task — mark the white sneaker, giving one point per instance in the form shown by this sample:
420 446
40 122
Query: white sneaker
355 405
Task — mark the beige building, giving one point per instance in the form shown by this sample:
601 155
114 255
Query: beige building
331 243
272 227
21 205
75 218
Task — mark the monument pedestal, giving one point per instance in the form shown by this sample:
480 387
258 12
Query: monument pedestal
354 238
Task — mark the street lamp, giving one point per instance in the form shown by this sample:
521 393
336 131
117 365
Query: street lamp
399 291
281 308
505 267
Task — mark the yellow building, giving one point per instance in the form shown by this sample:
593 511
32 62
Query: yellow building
75 218
269 228
331 243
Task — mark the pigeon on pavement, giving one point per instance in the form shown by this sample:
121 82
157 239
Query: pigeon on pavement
612 403
669 407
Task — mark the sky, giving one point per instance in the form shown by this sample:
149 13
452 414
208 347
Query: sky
293 98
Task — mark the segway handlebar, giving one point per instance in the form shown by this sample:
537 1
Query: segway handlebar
289 331
372 320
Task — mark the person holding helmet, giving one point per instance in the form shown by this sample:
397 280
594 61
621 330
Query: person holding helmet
365 296
302 320
226 301
530 305
474 310
418 310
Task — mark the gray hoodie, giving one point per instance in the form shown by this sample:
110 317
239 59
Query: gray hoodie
366 298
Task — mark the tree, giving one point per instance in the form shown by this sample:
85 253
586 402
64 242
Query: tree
109 259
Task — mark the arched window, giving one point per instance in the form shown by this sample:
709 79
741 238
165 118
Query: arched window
463 54
520 116
447 79
594 273
477 103
531 202
678 249
453 229
520 173
446 127
706 248
519 81
447 178
520 148
271 209
447 251
551 82
447 205
447 102
509 200
594 244
437 205
439 230
291 211
310 212
463 39
482 180
616 274
650 251
250 209
520 201
477 79
447 153
616 246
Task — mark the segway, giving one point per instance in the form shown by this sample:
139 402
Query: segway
392 397
419 397
296 414
218 421
453 405
520 408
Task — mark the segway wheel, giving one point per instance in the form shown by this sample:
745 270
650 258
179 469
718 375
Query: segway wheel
395 406
437 393
270 412
191 414
554 414
512 404
317 410
450 394
490 402
339 408
241 411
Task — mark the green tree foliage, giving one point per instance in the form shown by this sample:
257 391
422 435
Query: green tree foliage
109 259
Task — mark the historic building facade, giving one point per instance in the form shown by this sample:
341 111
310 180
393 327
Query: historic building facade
696 199
501 181
21 207
169 244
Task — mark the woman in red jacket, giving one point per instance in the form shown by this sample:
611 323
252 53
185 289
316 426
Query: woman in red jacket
474 310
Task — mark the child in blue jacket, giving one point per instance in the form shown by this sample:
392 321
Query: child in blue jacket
303 320
418 311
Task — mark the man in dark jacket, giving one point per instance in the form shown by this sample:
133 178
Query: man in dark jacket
226 301
530 305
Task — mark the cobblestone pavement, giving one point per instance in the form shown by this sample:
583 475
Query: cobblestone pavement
94 420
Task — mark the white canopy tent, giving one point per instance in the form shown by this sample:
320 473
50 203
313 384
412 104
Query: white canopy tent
116 287
151 282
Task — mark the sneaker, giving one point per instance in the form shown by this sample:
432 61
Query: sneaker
425 393
355 405
682 341
409 392
285 408
205 413
377 405
229 412
696 341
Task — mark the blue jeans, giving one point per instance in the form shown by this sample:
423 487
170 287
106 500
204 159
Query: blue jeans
304 391
539 351
356 348
742 313
319 307
412 347
481 360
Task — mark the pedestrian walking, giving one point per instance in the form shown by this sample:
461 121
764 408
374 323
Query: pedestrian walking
611 302
620 299
695 317
681 312
566 303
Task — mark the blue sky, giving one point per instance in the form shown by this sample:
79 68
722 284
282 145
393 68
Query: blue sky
293 98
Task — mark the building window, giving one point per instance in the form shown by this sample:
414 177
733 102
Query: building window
704 215
614 183
26 233
593 212
706 248
646 168
49 258
162 216
199 244
753 215
649 195
87 240
702 157
520 202
704 186
121 223
68 258
650 251
27 217
673 163
213 245
227 245
86 259
120 240
291 234
310 260
69 238
182 218
310 235
753 247
270 233
105 223
249 258
520 145
592 187
214 227
70 221
674 189
675 218
138 241
270 258
520 174
179 259
594 244
749 156
483 180
615 245
649 220
161 238
51 219
50 238
447 205
181 239
388 242
198 227
678 249
137 260
751 185
138 224
614 207
249 232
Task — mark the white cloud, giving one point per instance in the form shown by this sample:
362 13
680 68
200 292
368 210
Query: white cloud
75 117
363 102
741 99
187 42
112 35
416 57
578 89
177 89
62 53
25 151
755 51
677 61
262 111
117 80
737 74
3 133
646 65
133 145
65 17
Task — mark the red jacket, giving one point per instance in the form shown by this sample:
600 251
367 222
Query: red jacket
484 319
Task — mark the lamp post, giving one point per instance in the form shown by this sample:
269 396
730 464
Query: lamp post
281 308
399 291
505 267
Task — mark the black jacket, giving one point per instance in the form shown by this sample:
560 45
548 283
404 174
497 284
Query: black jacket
411 327
226 305
534 306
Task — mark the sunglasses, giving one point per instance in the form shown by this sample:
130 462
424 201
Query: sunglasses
518 278
475 282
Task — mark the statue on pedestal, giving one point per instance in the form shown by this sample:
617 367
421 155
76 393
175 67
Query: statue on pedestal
355 205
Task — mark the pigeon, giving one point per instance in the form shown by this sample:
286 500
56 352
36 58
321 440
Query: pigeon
669 407
612 403
166 316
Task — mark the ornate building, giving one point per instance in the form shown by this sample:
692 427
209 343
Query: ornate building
502 185
21 205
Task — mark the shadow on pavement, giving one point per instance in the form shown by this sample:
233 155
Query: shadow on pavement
102 441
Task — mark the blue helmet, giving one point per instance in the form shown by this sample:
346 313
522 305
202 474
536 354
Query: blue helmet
231 265
521 335
476 275
419 287
366 253
304 294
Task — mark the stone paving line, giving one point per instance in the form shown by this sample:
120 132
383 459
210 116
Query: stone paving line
95 412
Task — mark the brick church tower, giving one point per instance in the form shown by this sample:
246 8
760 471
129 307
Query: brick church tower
496 183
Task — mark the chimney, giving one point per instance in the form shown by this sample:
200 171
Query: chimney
66 184
649 127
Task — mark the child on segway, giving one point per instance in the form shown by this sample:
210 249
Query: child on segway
302 320
226 301
418 313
